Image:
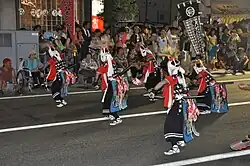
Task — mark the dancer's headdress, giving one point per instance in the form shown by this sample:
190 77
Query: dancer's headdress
145 51
60 63
106 57
174 67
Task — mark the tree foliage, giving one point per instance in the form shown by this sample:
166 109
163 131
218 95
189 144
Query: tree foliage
119 10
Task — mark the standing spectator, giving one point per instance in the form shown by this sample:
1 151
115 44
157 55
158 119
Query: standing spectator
69 45
121 60
155 43
147 32
163 40
137 37
234 42
38 28
216 29
239 61
166 28
185 46
243 37
106 38
86 39
78 37
226 35
64 36
96 41
121 39
212 40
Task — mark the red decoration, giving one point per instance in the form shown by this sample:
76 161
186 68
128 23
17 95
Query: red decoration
68 12
97 23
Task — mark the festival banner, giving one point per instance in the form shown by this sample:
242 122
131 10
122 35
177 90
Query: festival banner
97 23
68 12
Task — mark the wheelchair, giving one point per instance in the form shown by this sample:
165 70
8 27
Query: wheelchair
24 78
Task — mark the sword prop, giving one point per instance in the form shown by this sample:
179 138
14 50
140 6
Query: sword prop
126 69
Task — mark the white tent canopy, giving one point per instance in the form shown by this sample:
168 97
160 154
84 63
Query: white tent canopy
230 7
230 10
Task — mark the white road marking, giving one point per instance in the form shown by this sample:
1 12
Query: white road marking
96 91
207 158
239 80
93 120
70 93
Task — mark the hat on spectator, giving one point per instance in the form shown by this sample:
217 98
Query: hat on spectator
32 53
137 28
173 28
6 60
239 31
234 31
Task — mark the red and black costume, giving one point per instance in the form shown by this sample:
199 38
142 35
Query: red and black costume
181 111
59 76
115 88
215 94
151 73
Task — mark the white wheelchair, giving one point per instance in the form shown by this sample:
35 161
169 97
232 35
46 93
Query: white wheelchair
24 78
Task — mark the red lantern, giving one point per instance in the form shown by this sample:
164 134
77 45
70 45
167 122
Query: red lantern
97 23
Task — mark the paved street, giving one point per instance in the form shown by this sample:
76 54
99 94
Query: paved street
219 75
138 141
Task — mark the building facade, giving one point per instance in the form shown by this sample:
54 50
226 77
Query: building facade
8 14
158 11
16 14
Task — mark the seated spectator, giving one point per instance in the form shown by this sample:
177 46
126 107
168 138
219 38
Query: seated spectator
136 64
121 60
34 65
7 76
88 67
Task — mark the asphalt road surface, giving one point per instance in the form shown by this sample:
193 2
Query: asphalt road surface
138 141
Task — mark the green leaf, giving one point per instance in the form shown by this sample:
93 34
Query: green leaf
119 10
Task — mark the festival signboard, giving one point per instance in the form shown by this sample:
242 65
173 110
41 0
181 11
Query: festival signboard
68 12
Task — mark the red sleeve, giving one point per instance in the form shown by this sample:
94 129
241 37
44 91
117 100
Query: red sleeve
168 78
50 61
62 55
203 74
102 69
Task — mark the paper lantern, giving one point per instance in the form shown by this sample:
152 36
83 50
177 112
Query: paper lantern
45 12
33 12
97 23
21 11
54 13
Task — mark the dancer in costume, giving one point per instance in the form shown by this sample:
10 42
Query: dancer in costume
59 75
241 145
181 109
151 72
245 143
114 86
215 94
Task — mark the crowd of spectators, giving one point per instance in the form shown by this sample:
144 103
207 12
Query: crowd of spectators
227 47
